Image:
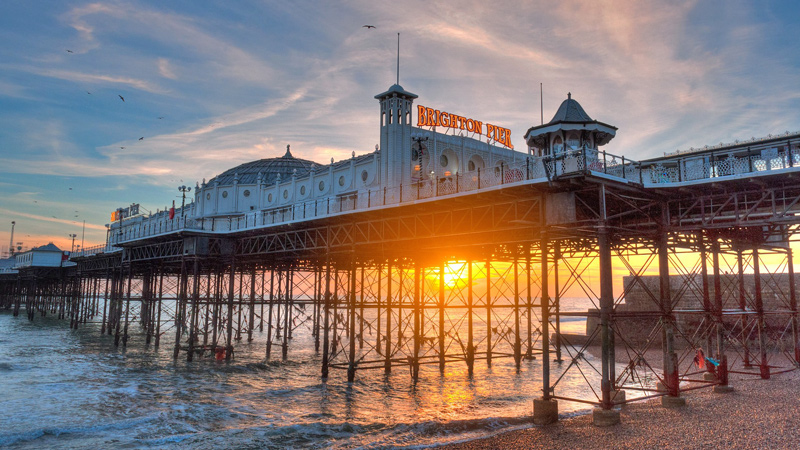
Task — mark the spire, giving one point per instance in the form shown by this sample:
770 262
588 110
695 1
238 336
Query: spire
288 152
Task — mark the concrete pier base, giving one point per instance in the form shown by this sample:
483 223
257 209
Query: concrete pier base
605 417
669 401
545 411
722 389
708 376
618 396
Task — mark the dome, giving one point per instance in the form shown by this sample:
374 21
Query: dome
269 168
570 111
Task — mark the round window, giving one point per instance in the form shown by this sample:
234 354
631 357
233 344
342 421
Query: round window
341 181
286 194
208 196
443 160
471 166
224 194
302 190
246 193
269 198
321 185
364 176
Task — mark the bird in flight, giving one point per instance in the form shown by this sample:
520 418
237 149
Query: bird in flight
122 148
70 51
88 92
161 117
368 26
121 97
141 138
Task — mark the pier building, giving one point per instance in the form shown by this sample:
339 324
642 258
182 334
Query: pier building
447 246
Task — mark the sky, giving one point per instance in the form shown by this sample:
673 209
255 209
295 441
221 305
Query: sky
208 85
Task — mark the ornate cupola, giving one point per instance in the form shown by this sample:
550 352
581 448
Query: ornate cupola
395 149
570 129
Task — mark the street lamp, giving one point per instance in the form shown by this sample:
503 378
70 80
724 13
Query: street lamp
183 190
11 241
73 236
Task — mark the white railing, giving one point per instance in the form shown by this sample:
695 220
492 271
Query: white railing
692 168
89 251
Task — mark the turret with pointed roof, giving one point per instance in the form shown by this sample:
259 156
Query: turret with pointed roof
570 129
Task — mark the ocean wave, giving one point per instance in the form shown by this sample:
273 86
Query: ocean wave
30 435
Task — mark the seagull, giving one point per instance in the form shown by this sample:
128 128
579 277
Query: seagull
121 97
122 148
70 189
141 138
368 26
88 92
70 51
161 117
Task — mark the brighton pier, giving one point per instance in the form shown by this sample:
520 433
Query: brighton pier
439 248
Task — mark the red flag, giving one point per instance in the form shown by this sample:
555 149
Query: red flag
172 213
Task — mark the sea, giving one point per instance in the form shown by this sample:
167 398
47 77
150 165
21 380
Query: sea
73 389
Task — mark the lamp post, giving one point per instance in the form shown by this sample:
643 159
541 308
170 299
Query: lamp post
11 241
183 190
73 236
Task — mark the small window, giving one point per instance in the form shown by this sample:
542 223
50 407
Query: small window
269 198
224 194
341 181
208 196
443 161
364 176
286 194
321 185
302 190
246 193
471 166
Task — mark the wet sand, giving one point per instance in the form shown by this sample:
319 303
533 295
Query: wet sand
759 414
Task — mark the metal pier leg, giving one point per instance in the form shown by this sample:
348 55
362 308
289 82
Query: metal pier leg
194 323
470 337
231 296
722 370
671 369
762 337
545 409
179 308
488 313
326 320
252 317
557 305
361 311
127 306
159 300
351 296
517 342
441 315
387 354
271 302
529 303
417 330
743 306
707 316
793 306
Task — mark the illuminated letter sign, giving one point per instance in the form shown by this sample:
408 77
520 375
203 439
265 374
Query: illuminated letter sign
429 117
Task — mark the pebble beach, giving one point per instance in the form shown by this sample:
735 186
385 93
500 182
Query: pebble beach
758 414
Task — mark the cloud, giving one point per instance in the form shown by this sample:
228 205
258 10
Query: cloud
48 219
165 69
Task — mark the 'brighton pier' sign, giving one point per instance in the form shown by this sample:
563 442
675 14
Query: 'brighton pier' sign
429 117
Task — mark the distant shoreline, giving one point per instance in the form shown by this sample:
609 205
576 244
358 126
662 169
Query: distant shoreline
758 414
